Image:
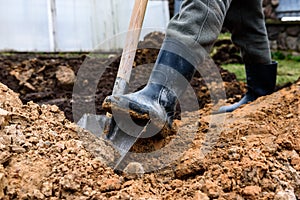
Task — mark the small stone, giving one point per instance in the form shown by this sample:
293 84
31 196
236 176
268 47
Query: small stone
65 76
285 195
5 140
54 108
110 184
211 189
18 149
47 143
47 189
296 163
60 146
134 170
55 134
37 194
11 130
200 196
176 184
252 191
33 140
68 183
128 183
2 146
87 191
3 112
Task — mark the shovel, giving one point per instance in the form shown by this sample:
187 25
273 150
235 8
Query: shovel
121 141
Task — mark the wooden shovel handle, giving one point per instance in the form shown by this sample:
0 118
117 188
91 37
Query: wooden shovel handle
131 42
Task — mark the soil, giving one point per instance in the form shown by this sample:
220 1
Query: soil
252 153
255 156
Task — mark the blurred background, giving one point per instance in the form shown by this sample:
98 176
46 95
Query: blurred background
76 25
71 25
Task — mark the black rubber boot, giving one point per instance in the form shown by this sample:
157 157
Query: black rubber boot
157 100
261 81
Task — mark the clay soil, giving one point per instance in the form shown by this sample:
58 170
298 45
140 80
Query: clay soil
252 153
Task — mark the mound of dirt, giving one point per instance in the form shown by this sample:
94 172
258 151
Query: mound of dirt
49 78
255 156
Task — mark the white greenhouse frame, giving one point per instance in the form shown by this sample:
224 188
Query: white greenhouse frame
72 25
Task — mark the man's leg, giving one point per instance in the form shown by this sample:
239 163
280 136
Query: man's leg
189 37
245 20
198 24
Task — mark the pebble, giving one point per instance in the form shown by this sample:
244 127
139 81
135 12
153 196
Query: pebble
134 170
285 195
200 196
252 191
65 76
18 149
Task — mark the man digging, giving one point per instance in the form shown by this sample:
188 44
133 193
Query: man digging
190 35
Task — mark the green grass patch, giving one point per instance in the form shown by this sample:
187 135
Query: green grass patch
237 69
288 71
224 36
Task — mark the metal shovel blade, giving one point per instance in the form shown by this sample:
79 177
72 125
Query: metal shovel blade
96 124
121 141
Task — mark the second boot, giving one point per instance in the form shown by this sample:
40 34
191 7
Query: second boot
261 81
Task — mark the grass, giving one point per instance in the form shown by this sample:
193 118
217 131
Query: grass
224 36
288 69
237 69
288 66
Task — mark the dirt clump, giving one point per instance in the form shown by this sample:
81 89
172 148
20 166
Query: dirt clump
255 155
65 76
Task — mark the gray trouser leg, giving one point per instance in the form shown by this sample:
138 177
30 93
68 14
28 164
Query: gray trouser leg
199 23
245 20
